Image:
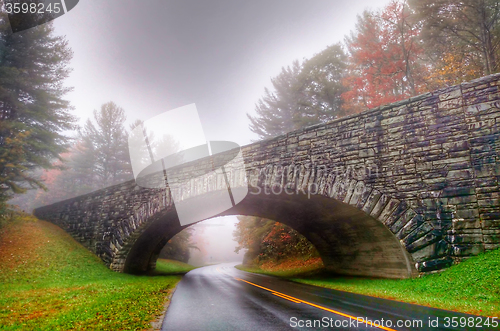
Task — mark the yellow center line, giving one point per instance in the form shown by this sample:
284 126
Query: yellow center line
284 297
288 297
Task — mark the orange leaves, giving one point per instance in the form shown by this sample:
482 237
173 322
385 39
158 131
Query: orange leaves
384 58
267 240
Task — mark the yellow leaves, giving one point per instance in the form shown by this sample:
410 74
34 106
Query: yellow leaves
454 68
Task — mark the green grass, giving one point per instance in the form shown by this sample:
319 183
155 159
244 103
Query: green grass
472 286
290 273
287 269
172 267
50 282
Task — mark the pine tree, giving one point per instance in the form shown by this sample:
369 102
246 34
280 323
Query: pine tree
33 113
303 94
97 159
105 142
277 111
322 78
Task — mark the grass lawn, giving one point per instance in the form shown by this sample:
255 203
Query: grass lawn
48 281
287 269
171 267
472 286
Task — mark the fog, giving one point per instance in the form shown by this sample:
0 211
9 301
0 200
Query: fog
214 238
153 56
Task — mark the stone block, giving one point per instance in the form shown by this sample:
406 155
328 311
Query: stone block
350 190
371 201
459 174
467 213
422 242
460 224
380 205
464 199
467 249
364 197
368 152
391 207
307 136
402 221
450 104
490 247
453 94
433 251
491 224
465 238
339 188
419 231
433 265
458 191
358 192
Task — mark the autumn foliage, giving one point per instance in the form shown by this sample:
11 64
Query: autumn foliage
385 58
414 46
269 242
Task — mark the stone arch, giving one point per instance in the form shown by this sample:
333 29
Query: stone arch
356 228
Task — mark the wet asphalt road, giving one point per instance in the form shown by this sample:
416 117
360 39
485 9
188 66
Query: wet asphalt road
220 298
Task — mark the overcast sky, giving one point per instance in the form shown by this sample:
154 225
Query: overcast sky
151 56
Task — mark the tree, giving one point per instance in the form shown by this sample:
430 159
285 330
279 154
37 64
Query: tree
249 233
33 113
304 94
322 86
385 55
74 176
105 142
177 248
471 26
54 192
80 176
277 111
453 67
12 167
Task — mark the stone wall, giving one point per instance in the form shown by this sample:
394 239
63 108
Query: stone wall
425 168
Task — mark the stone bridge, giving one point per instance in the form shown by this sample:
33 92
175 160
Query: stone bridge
395 191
